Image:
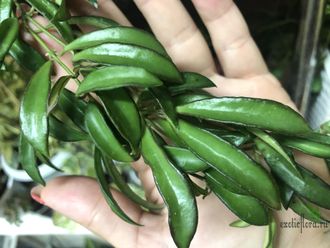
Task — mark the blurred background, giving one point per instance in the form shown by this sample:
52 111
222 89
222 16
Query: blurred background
294 38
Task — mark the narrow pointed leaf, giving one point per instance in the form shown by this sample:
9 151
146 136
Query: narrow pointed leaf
120 34
191 80
94 21
8 34
101 177
260 113
63 132
26 56
56 91
125 189
115 77
239 224
5 9
28 161
33 113
123 54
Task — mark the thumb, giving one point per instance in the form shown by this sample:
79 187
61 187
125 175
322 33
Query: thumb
80 199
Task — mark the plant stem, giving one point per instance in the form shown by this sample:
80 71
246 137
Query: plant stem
45 31
52 54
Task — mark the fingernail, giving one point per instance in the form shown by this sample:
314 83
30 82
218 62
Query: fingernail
35 194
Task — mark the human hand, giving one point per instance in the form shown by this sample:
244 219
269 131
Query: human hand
245 74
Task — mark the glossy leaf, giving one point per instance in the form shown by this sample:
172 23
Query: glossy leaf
239 224
191 80
125 116
260 113
175 191
276 146
26 56
101 178
119 34
306 210
185 160
56 91
94 21
5 9
103 137
8 34
245 207
28 160
125 189
115 77
73 107
33 114
63 132
129 55
230 161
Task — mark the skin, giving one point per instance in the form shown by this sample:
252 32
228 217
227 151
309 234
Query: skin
244 74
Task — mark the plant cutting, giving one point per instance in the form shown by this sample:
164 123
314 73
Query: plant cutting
132 101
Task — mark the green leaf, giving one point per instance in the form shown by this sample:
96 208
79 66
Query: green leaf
28 161
63 132
26 56
33 113
125 189
115 77
191 81
270 234
306 210
118 34
276 146
101 177
164 100
239 224
73 107
56 91
8 34
5 9
94 21
260 113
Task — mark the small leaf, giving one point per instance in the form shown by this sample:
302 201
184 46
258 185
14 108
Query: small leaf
125 189
26 56
8 34
56 92
270 234
276 146
63 132
5 9
164 99
28 161
94 21
101 177
191 81
239 224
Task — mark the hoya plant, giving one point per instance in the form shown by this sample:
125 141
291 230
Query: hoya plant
132 102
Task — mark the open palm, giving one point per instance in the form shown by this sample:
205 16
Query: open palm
245 74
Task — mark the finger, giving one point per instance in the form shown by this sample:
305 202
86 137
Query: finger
80 199
175 29
147 180
106 8
238 54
